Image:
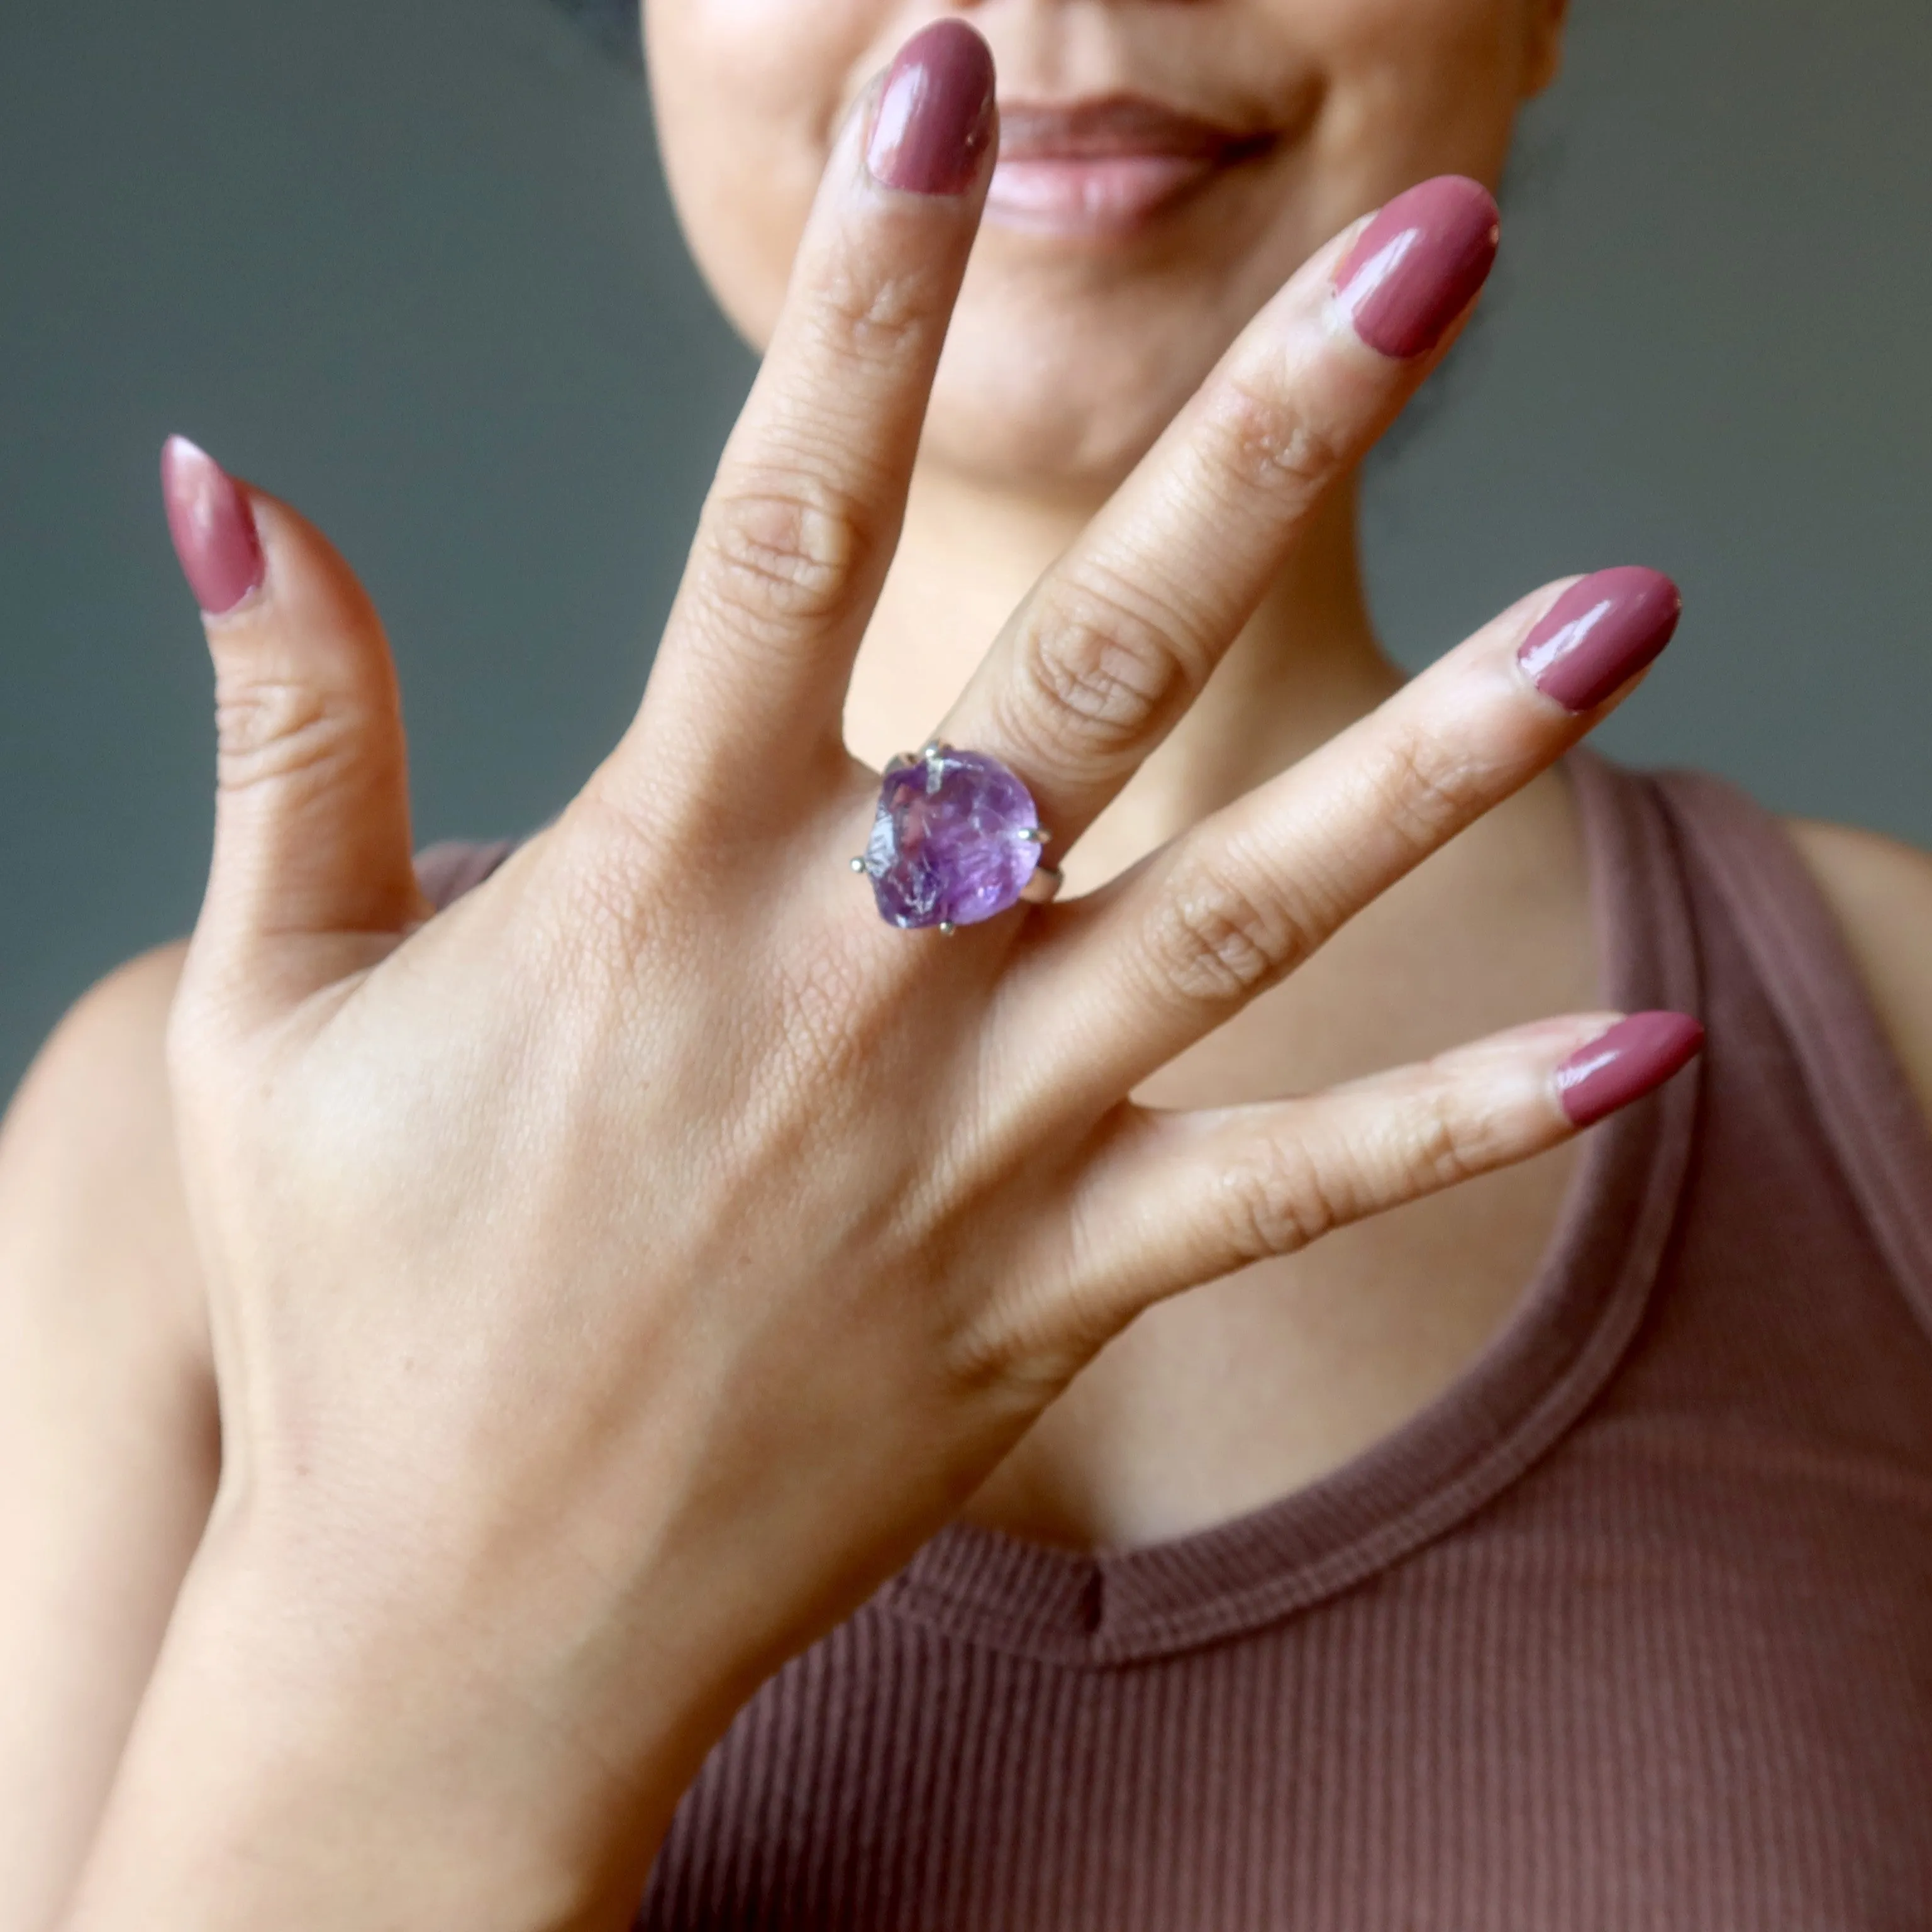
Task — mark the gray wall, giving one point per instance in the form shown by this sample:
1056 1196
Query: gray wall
410 264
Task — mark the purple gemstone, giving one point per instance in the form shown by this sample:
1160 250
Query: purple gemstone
950 845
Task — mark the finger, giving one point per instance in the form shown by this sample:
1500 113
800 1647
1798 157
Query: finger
312 820
800 523
1176 1199
1120 982
1119 637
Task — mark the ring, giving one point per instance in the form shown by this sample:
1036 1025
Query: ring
956 839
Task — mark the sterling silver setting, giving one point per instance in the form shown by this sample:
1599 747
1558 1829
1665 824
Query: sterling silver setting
961 799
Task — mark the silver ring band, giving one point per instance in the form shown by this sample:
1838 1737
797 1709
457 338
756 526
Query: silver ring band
1045 883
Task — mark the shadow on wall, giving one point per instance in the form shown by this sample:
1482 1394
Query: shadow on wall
613 24
410 268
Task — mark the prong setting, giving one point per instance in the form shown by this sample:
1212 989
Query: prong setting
1045 884
955 840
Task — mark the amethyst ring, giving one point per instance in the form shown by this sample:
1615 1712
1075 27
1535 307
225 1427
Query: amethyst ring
956 839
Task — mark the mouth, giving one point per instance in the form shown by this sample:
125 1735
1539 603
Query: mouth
1106 166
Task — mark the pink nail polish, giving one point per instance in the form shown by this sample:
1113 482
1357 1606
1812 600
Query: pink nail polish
212 526
935 113
1599 633
1418 264
1624 1064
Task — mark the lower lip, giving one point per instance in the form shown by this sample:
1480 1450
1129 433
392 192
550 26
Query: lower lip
1092 196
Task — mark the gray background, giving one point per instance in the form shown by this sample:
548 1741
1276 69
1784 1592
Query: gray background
409 263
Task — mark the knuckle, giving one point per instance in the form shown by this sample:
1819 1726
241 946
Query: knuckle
1424 790
274 730
867 315
1442 1147
1097 671
1268 440
1021 1358
1215 941
787 547
1279 1195
1274 1199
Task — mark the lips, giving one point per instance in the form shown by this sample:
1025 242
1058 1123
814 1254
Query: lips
1106 167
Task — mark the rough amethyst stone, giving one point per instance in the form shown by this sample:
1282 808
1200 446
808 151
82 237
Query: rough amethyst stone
955 840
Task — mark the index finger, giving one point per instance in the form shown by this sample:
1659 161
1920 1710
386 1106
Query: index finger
801 520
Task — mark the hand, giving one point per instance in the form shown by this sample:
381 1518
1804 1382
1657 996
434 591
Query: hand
615 1277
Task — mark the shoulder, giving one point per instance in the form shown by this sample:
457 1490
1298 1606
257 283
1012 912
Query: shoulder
94 1116
107 1059
89 1186
91 1197
1880 891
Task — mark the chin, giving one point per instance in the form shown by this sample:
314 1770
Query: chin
1032 442
1065 362
1065 405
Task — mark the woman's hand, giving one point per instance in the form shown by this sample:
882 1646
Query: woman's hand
614 1278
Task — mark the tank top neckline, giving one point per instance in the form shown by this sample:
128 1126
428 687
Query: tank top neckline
1504 1410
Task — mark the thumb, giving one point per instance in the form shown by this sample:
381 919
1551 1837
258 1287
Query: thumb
312 822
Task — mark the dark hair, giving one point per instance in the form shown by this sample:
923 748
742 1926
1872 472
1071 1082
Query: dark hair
612 24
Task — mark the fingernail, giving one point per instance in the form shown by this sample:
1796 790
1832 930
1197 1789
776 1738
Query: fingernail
1624 1064
212 526
1599 633
935 112
1418 264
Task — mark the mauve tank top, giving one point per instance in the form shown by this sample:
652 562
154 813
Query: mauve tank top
1630 1628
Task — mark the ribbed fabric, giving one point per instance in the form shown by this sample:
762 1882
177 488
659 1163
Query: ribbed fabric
1631 1628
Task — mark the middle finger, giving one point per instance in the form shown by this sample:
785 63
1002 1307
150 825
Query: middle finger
1113 644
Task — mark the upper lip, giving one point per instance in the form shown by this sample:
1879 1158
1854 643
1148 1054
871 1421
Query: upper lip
1111 125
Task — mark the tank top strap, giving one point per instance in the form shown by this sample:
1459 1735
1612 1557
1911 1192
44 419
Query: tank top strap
1738 854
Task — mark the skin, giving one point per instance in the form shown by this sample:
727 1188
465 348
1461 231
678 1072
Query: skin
1062 368
1064 363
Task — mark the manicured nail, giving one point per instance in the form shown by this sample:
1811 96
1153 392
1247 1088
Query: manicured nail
1418 264
213 528
935 112
1599 633
1624 1064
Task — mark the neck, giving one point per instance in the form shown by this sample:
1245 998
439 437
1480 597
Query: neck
1306 664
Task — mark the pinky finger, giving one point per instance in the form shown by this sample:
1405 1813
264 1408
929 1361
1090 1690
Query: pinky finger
1177 1199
